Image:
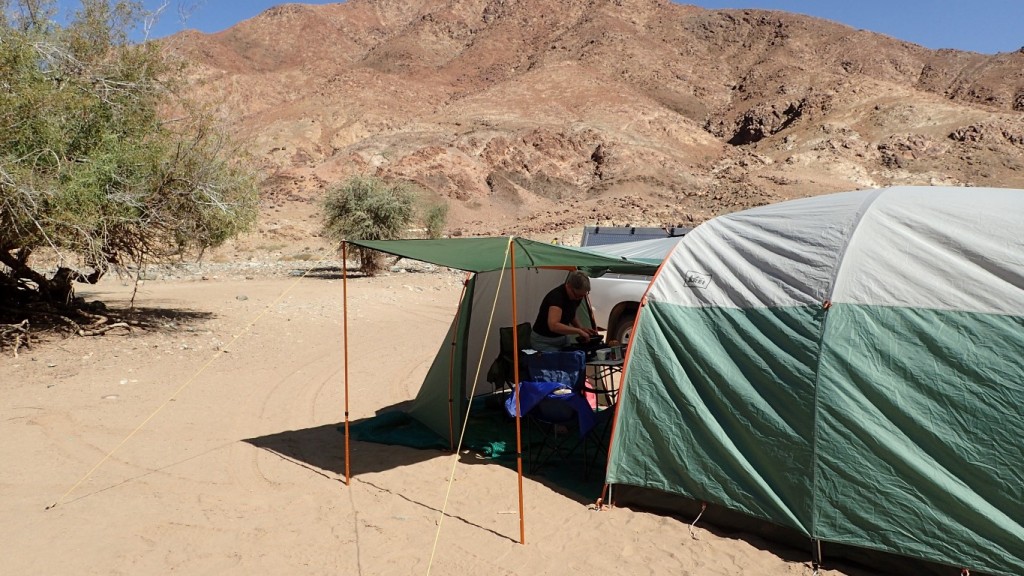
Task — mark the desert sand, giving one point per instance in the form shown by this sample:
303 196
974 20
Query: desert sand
206 443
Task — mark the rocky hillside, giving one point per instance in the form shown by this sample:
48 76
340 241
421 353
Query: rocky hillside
537 116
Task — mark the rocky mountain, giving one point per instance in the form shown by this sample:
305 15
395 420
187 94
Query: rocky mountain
537 116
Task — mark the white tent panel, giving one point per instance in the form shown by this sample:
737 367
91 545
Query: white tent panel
778 255
938 248
531 286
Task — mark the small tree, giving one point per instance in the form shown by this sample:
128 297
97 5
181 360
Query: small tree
103 162
367 208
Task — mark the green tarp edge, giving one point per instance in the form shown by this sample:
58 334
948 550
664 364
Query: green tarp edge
489 254
444 379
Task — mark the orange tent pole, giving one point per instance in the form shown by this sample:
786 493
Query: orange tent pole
515 376
344 331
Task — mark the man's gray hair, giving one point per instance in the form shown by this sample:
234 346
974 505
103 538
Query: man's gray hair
578 280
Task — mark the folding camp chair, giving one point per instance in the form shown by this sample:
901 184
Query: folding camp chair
559 418
501 374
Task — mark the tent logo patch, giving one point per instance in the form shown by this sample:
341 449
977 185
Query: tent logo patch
697 279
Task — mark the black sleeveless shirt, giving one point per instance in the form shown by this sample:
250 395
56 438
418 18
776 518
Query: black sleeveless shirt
558 296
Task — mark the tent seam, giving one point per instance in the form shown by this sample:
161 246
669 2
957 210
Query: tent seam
826 305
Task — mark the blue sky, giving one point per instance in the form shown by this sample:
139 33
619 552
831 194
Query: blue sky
986 26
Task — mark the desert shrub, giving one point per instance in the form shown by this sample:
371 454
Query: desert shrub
367 208
435 217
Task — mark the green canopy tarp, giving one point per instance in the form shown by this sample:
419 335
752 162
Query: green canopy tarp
489 254
444 399
472 337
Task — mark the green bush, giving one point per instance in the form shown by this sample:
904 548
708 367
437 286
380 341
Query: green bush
367 208
90 166
435 217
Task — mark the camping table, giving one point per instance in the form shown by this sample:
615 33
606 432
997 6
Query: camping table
603 372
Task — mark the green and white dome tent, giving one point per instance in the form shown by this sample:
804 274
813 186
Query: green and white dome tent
850 366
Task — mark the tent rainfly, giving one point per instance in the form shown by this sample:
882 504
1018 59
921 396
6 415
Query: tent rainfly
509 275
849 366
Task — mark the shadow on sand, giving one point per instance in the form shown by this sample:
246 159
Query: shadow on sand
321 450
353 273
388 441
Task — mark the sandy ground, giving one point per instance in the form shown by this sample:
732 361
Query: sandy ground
207 445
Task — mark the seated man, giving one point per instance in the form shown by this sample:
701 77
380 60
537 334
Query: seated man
556 326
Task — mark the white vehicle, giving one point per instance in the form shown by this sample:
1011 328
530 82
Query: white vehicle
615 298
